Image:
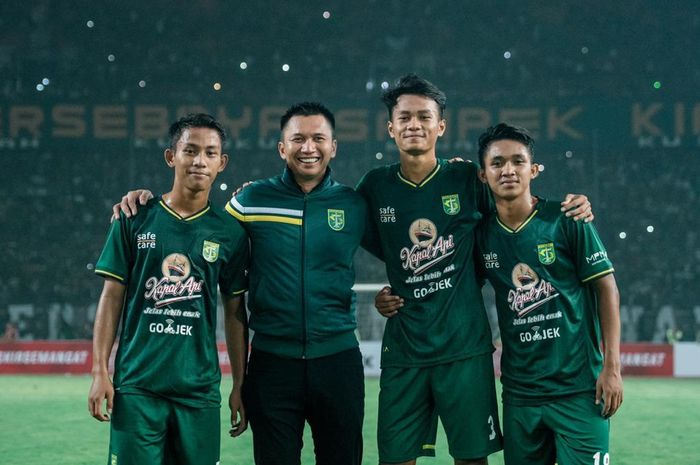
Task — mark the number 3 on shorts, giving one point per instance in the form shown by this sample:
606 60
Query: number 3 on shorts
596 459
492 436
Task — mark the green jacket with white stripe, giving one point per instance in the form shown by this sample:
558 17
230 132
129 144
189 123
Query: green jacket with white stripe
301 272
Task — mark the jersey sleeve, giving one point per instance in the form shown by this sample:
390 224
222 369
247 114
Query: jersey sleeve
235 208
115 259
370 239
233 279
482 193
592 260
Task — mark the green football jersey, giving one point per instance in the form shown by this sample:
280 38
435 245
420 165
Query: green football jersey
425 235
547 313
171 267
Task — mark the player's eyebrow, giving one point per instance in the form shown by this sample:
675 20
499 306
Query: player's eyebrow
420 112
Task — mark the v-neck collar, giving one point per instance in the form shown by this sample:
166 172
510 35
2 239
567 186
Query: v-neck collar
425 180
523 224
192 217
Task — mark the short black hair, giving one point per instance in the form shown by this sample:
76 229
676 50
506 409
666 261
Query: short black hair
307 109
414 85
503 131
195 120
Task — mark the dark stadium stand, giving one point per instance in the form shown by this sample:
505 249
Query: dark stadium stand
65 163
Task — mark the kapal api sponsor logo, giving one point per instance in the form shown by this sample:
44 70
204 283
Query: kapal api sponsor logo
530 292
176 285
428 247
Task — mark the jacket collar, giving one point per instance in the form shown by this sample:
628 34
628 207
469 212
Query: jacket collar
289 181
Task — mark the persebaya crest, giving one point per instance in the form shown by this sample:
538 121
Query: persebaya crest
450 204
210 251
336 219
546 254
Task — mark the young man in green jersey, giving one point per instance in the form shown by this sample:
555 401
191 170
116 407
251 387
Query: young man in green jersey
555 294
162 269
305 364
436 350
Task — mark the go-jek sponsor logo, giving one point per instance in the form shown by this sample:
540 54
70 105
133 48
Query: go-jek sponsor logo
169 328
537 334
176 285
428 248
530 292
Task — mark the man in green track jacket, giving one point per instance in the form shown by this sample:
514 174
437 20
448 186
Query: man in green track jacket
305 364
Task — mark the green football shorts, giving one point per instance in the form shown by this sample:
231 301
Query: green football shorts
569 431
153 430
461 393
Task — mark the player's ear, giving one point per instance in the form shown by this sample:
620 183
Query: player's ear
535 170
390 128
482 175
442 125
224 162
169 155
335 148
281 150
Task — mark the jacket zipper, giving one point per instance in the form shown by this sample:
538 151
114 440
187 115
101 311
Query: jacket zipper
303 277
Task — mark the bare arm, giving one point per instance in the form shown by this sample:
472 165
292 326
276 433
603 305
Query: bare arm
128 204
609 383
109 310
236 329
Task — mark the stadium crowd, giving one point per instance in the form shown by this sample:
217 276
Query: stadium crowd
55 196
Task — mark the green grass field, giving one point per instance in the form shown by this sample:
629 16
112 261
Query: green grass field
44 420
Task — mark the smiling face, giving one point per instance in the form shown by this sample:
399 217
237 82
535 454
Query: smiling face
508 169
416 124
307 146
197 158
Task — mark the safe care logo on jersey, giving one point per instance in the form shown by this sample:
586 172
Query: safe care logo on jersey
336 219
146 240
491 260
530 292
176 285
387 214
210 251
428 248
450 204
545 253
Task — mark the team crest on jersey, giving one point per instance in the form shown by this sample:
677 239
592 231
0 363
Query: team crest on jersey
546 254
450 204
336 219
210 251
